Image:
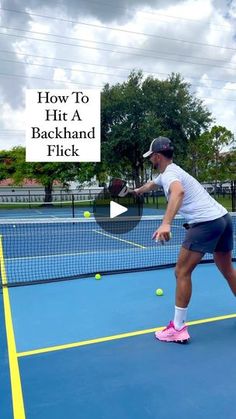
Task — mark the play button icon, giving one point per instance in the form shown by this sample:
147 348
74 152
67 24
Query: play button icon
117 215
116 209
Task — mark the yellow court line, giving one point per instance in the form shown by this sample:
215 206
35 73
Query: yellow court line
117 238
17 397
115 337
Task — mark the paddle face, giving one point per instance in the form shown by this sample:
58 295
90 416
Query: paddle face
117 188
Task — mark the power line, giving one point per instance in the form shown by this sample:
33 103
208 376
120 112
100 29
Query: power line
107 66
93 85
160 14
113 51
45 79
64 68
111 44
11 130
103 74
121 30
152 13
219 99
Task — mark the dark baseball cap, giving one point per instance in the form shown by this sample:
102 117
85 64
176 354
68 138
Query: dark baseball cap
158 145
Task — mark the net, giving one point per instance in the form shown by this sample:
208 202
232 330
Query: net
39 209
57 249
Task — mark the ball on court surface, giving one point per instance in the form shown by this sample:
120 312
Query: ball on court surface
159 292
87 214
98 276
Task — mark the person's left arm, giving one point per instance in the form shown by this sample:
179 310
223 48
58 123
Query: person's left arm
176 195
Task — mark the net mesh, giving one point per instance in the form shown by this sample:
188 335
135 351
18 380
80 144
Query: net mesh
50 250
39 209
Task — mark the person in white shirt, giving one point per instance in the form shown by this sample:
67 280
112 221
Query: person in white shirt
208 229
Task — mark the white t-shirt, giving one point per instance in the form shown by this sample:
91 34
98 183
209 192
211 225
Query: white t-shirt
197 205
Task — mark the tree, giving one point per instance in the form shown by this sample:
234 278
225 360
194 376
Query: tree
6 168
211 155
123 112
136 111
45 173
182 117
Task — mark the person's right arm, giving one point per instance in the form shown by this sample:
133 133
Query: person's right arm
149 186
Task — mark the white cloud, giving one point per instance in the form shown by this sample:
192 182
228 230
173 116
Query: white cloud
211 70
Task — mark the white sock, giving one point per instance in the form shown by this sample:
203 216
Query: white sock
180 317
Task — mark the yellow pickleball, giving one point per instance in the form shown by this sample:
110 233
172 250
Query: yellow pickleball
159 292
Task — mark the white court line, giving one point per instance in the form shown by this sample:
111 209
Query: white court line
117 238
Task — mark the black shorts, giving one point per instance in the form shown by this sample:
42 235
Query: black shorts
210 236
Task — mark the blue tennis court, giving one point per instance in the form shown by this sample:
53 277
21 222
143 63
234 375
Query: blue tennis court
86 348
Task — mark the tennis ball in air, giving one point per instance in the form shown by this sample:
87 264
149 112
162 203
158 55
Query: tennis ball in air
98 276
87 214
159 292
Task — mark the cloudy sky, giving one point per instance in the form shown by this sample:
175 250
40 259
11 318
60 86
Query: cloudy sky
87 43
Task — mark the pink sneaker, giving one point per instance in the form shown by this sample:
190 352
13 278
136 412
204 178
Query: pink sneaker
170 334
